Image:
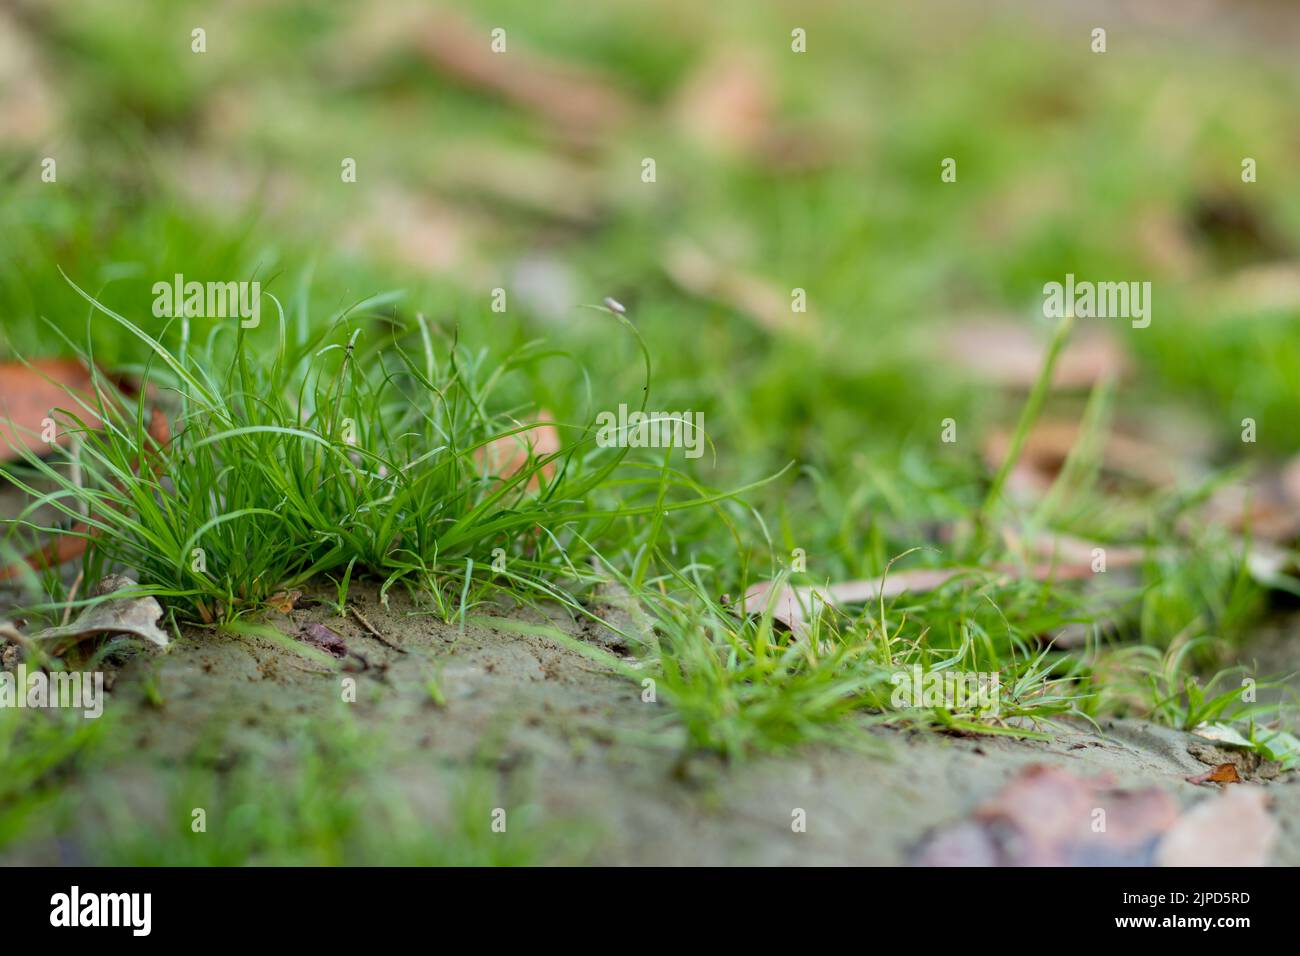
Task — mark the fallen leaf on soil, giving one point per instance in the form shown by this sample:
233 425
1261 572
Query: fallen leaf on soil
1070 552
582 102
1223 773
1250 763
29 108
727 103
1267 506
699 274
536 181
318 635
795 607
506 456
284 601
28 395
1232 829
1010 354
73 543
727 106
135 617
1049 444
1048 817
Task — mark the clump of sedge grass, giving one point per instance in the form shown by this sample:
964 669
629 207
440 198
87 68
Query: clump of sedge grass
365 449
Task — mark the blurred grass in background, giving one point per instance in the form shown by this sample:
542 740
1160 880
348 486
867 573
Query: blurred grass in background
775 171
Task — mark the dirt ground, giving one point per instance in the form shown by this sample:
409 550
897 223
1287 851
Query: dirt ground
580 743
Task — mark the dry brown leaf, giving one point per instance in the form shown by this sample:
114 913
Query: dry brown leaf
1223 773
325 638
727 103
135 617
1049 445
727 106
1266 507
284 601
582 103
795 607
696 272
1010 354
72 544
1232 829
539 182
1256 509
29 109
1068 552
1047 817
506 456
1058 558
30 393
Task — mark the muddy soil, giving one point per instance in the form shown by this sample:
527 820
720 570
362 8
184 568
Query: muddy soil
579 741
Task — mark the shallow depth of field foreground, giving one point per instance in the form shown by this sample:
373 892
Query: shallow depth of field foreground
649 433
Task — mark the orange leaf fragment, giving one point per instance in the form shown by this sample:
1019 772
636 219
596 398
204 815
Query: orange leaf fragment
30 392
508 455
1223 773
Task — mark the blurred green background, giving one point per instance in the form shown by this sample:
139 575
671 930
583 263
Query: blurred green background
775 170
